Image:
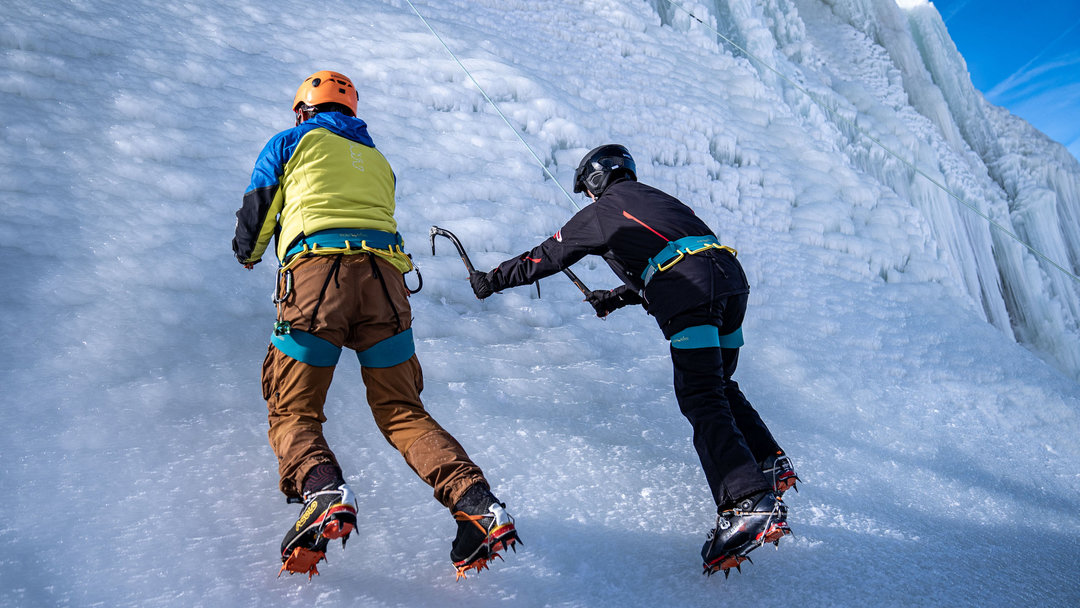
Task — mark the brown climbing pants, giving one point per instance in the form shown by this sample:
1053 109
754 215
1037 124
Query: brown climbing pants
354 301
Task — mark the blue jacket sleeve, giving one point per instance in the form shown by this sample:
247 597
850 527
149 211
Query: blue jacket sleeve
254 214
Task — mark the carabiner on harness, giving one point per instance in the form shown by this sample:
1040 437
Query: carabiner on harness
287 276
282 328
419 277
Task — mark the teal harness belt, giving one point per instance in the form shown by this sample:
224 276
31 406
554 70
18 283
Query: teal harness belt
677 250
313 350
348 238
706 336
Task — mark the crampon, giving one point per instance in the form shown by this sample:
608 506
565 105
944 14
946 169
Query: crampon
751 523
302 561
305 545
501 536
725 563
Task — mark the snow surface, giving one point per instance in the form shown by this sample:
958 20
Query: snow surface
939 456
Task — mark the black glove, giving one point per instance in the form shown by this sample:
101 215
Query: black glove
604 301
481 284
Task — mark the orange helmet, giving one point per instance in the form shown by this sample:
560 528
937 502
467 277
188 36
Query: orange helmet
324 87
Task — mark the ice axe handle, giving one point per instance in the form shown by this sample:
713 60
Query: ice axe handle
436 231
577 281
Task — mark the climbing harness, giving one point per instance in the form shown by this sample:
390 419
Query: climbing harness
308 348
317 352
675 251
392 351
350 241
386 291
335 268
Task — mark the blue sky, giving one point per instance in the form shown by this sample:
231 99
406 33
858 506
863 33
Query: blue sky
1024 56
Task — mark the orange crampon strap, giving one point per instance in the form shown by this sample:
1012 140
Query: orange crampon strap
475 519
303 561
500 538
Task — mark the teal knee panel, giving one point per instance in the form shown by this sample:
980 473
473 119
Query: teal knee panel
706 336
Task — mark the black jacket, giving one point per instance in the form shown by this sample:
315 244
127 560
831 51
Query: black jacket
628 224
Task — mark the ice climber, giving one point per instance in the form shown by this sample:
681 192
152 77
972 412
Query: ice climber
326 194
671 263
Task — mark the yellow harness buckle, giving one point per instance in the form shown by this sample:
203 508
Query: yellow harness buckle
690 245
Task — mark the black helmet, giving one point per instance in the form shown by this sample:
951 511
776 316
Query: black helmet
601 165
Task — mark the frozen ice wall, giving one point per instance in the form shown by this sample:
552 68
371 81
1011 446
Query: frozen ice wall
1037 187
880 86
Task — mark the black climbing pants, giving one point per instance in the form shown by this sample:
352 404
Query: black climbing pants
729 435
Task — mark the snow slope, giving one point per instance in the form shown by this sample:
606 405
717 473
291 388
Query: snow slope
938 455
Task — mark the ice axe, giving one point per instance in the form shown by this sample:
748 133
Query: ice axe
436 231
577 281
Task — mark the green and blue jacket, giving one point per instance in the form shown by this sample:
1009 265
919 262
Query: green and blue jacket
322 176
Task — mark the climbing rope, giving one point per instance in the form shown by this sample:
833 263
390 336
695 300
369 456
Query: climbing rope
494 105
877 142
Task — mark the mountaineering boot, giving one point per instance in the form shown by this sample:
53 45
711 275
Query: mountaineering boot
328 514
484 529
777 468
748 524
